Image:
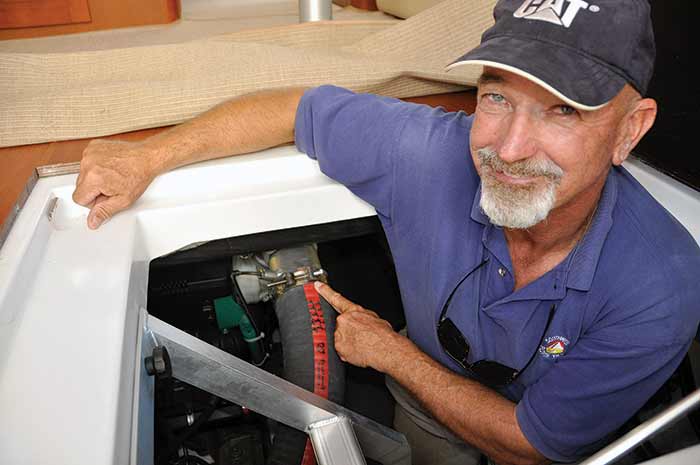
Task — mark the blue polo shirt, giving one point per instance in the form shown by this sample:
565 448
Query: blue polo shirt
626 298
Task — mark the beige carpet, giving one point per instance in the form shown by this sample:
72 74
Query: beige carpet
89 93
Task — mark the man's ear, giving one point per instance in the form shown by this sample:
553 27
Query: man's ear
636 122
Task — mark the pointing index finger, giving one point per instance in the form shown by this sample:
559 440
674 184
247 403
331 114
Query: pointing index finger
337 301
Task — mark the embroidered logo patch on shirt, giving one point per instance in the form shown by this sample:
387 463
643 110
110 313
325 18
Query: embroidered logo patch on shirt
554 346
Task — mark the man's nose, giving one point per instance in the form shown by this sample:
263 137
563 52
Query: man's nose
518 140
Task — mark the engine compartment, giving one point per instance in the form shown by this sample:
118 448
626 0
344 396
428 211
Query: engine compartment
193 288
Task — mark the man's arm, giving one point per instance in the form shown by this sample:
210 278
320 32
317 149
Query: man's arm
477 414
113 174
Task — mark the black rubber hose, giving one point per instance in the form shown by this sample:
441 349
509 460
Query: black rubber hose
295 323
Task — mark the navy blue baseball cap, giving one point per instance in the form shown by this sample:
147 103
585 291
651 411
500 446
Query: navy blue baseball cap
584 52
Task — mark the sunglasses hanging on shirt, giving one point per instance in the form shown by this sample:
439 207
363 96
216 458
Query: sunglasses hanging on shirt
488 372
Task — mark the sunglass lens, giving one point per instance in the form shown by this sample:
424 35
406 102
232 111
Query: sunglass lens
453 342
492 373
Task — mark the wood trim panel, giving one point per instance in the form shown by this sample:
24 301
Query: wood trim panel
457 101
104 14
27 13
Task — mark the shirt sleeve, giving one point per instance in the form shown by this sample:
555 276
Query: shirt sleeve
602 380
354 137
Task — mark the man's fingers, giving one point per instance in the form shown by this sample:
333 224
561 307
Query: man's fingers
85 194
103 209
80 179
374 314
340 303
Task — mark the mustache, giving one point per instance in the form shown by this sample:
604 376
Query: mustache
526 168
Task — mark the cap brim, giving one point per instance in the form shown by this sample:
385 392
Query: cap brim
575 79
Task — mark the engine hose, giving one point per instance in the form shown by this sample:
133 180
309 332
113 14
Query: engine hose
307 324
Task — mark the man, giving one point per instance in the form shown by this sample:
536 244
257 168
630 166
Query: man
547 295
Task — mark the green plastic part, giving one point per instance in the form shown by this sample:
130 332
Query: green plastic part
247 329
228 312
229 315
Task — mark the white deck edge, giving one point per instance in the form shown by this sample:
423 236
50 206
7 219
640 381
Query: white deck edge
70 297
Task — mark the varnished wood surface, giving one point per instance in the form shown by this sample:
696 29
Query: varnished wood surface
370 5
28 13
17 164
465 101
103 14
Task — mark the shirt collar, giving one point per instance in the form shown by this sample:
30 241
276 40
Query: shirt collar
584 261
477 213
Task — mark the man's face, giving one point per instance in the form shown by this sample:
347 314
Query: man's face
534 152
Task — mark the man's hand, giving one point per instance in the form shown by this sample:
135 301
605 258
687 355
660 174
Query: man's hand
474 412
113 174
361 337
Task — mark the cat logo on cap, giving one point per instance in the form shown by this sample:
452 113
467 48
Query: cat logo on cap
553 11
554 346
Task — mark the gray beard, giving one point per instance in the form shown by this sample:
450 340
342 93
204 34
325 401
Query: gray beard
517 207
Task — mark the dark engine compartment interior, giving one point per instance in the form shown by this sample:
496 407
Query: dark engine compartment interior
194 427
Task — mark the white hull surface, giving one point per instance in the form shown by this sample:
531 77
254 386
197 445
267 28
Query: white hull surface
70 297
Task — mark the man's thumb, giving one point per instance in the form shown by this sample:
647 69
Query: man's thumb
102 210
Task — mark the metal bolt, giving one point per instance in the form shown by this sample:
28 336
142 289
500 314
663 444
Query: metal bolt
158 364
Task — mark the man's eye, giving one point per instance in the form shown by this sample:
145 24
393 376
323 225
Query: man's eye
566 110
495 98
493 103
